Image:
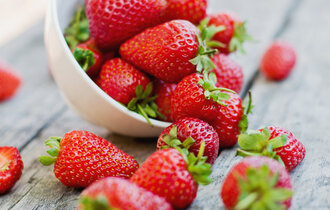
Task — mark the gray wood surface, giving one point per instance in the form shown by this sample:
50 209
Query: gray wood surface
300 103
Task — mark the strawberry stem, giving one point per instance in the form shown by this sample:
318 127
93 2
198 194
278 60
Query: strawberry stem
85 58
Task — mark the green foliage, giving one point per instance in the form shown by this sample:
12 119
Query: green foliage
85 58
54 144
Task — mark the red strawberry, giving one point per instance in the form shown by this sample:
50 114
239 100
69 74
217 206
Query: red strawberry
168 51
174 176
82 157
273 142
10 81
191 10
229 73
278 61
188 128
257 183
11 167
118 193
164 93
111 22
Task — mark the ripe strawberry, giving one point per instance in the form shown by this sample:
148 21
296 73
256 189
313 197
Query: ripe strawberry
174 175
229 73
112 22
82 157
118 193
10 82
168 51
11 167
273 142
278 61
164 93
257 183
190 133
191 10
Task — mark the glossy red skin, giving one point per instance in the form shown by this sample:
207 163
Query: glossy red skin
191 10
164 51
10 82
293 152
111 22
278 61
85 157
11 167
228 20
228 72
122 194
230 191
120 79
165 174
199 131
164 92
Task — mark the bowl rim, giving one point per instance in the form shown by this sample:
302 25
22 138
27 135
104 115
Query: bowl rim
91 83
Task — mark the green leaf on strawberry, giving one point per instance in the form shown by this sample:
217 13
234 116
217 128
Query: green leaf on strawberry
247 109
85 58
240 36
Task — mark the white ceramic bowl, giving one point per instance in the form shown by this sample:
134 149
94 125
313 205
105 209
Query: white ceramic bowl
78 90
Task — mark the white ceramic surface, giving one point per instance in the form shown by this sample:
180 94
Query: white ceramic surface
78 90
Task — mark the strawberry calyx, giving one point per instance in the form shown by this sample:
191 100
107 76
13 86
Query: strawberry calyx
85 58
258 190
210 31
255 143
247 109
144 104
54 144
100 202
240 36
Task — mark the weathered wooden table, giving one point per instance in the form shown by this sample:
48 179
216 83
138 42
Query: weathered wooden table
301 104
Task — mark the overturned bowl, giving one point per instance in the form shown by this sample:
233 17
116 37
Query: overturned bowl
78 90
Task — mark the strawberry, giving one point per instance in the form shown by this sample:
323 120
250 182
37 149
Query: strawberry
191 10
278 61
118 193
164 93
81 157
11 167
174 175
257 183
10 82
169 51
229 73
273 142
111 22
191 131
129 86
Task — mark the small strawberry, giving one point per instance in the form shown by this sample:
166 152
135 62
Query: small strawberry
169 51
11 167
257 183
164 93
191 10
191 132
10 82
118 193
81 157
273 142
112 22
278 61
129 86
174 175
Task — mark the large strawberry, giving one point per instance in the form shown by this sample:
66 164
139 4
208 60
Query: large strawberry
111 22
11 167
174 175
118 193
191 131
257 183
274 142
164 92
129 86
169 51
10 82
81 157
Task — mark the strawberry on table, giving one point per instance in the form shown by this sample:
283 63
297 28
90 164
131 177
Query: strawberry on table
274 142
81 157
257 183
10 82
11 167
164 92
118 193
191 132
